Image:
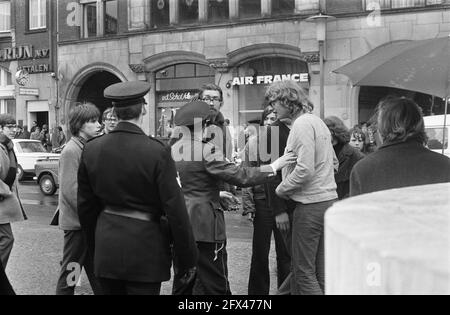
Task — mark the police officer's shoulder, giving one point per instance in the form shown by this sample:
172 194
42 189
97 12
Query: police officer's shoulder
96 138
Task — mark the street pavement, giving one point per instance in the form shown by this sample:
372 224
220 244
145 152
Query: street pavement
34 264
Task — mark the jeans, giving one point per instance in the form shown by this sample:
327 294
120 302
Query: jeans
75 257
264 225
308 250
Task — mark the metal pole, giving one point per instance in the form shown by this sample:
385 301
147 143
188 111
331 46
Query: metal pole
322 80
445 125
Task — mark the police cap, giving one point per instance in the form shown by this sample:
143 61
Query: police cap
187 114
127 93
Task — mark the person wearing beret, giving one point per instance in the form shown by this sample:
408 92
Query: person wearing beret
202 167
129 200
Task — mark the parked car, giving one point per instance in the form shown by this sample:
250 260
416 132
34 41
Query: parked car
434 127
28 152
47 171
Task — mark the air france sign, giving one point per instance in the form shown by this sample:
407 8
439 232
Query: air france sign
269 79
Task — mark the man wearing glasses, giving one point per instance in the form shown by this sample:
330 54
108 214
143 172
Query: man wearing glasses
217 132
109 121
10 207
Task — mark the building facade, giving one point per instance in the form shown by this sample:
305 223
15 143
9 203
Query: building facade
28 61
241 45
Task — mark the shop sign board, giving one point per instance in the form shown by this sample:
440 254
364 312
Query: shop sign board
176 96
269 79
29 91
41 68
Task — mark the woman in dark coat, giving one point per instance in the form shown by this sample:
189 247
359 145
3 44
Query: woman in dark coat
403 160
271 214
347 155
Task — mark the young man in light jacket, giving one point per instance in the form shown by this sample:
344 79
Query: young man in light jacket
10 207
310 183
84 125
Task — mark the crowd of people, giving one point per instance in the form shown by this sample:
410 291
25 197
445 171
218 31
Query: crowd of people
50 140
127 218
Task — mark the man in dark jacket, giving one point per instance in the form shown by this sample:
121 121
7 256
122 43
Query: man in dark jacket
127 186
202 168
402 160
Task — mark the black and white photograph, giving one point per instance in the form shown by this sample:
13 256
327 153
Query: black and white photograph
227 154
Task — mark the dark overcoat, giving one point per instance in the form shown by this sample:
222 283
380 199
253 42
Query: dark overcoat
202 178
399 165
130 171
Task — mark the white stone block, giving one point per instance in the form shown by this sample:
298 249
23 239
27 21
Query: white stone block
425 31
394 242
401 30
429 17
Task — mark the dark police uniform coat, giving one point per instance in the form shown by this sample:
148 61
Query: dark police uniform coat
128 170
202 181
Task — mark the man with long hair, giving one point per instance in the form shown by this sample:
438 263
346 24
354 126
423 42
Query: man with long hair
403 159
309 183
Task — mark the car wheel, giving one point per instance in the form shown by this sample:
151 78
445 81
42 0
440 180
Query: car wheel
47 185
20 173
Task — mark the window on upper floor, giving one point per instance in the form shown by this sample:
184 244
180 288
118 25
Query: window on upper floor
249 9
5 78
283 7
5 16
136 14
396 4
111 17
218 10
160 11
188 11
89 19
37 10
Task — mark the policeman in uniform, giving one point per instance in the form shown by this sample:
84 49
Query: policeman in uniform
203 168
127 188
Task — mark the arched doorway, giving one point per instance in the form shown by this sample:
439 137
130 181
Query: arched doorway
93 87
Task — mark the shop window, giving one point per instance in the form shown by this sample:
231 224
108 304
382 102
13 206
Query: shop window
37 14
283 7
254 77
188 11
111 17
160 13
90 19
250 8
175 86
218 10
5 16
